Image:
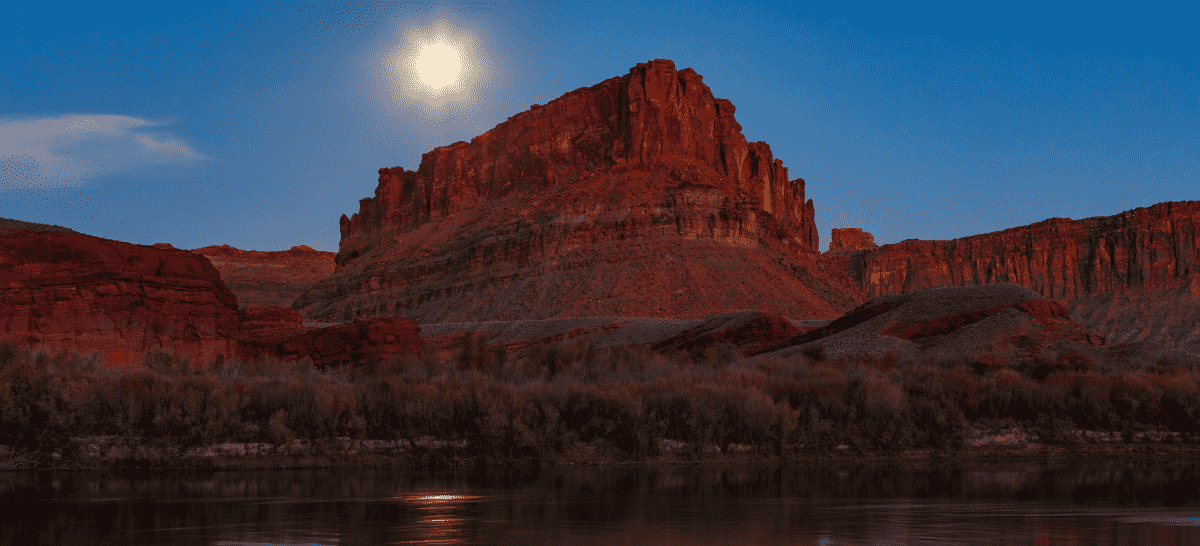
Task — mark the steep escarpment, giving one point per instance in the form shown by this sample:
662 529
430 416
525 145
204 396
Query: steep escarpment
268 278
638 196
67 291
1130 276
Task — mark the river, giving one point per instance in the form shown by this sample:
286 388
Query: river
824 503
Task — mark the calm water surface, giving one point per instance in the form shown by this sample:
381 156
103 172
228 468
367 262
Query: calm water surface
1093 503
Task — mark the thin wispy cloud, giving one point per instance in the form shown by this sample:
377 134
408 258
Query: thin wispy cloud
71 150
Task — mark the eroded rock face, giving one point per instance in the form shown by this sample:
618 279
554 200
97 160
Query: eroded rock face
68 291
851 239
638 196
268 278
1127 276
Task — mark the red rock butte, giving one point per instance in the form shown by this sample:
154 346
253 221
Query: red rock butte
637 196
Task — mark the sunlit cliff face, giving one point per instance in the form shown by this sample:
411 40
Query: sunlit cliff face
434 67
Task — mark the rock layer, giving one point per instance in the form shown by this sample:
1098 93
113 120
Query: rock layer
1128 276
268 278
68 291
638 196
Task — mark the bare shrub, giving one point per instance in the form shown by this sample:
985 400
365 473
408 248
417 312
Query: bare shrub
165 363
277 428
880 410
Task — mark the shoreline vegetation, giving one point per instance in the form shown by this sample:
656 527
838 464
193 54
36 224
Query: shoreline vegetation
573 403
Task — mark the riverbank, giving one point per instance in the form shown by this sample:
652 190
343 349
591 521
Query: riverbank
573 405
122 453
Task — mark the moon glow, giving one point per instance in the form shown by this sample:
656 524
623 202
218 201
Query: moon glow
436 71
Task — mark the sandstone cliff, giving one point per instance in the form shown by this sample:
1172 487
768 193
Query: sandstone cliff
68 291
268 278
1130 276
638 196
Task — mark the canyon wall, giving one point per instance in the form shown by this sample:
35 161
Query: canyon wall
1130 276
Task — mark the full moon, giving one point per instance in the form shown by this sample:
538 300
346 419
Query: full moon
438 65
436 70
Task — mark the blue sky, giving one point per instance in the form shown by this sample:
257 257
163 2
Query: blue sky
257 124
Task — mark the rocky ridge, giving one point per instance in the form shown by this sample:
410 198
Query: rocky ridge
638 196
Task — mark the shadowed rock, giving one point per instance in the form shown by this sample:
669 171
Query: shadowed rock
747 331
361 342
949 323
